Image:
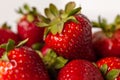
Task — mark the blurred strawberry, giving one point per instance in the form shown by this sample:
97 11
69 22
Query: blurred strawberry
107 41
21 63
27 26
5 34
110 68
79 70
68 33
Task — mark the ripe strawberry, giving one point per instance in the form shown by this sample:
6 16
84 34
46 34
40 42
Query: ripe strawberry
5 35
79 70
107 41
110 67
27 27
22 63
68 33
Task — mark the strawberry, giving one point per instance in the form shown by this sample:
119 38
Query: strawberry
21 63
107 41
68 33
5 34
79 70
27 27
110 67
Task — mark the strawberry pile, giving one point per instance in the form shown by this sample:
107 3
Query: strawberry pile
59 46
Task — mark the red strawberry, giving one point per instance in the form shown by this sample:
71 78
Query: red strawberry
107 41
45 49
27 27
5 35
79 70
22 63
110 67
68 33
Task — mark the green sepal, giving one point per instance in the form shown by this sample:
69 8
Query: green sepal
108 29
95 24
47 30
6 26
94 64
34 11
42 24
117 19
54 29
54 10
20 11
37 46
7 46
39 53
60 62
30 18
22 43
69 6
49 14
31 12
3 46
43 19
60 27
117 22
72 18
104 69
112 74
10 45
4 57
51 60
74 11
26 7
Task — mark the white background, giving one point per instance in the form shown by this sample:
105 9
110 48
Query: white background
91 8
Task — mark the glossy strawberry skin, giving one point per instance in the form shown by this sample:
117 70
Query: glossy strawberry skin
112 63
105 46
24 64
5 35
29 30
74 41
79 70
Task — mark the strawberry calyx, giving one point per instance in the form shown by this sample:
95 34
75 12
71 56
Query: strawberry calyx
30 13
111 74
9 46
108 29
52 61
58 17
6 26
